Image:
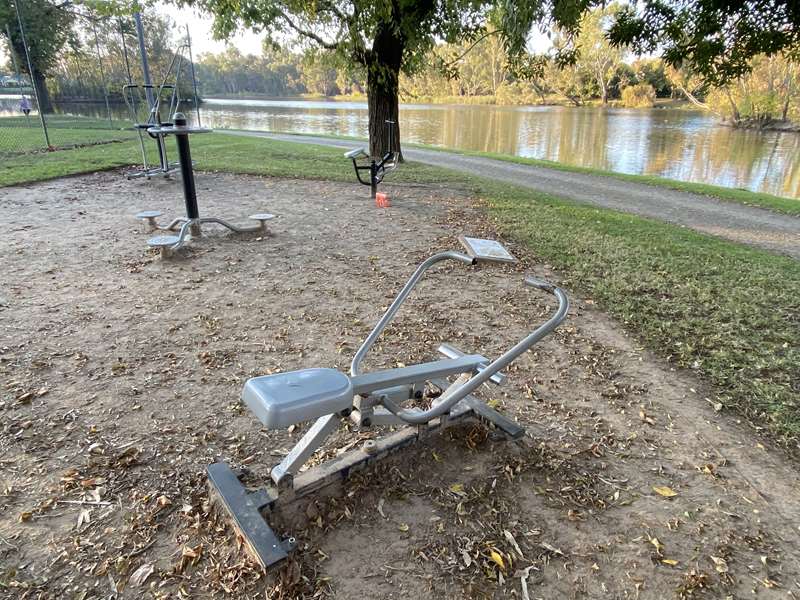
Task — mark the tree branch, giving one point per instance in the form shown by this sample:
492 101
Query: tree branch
475 43
308 34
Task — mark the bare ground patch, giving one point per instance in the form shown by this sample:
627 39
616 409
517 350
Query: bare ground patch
120 377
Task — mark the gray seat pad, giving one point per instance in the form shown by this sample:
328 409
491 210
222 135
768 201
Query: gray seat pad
283 399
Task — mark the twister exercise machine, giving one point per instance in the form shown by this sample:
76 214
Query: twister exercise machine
377 169
373 399
190 224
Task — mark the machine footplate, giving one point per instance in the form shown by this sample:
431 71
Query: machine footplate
245 507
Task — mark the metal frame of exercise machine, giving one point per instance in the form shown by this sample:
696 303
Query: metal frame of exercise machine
153 99
377 169
190 224
372 399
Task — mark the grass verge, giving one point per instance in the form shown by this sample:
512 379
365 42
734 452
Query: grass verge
728 312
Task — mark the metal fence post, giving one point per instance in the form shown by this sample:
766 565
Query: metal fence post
30 73
102 74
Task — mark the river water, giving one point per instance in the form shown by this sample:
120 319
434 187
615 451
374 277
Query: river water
681 144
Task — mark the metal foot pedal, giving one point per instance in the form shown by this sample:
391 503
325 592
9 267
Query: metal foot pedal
165 243
245 507
149 218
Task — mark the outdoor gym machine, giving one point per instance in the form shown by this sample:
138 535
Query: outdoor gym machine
373 399
154 97
377 169
190 224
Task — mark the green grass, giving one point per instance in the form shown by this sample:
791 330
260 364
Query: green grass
788 206
728 312
20 135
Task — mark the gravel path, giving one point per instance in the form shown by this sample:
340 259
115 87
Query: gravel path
744 224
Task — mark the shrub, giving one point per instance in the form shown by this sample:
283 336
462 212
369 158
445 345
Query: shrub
640 95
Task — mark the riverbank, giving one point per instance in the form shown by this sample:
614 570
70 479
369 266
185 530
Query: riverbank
778 204
488 100
701 303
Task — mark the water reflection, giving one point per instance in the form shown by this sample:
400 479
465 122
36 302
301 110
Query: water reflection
679 144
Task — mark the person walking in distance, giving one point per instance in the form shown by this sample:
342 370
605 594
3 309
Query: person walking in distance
25 107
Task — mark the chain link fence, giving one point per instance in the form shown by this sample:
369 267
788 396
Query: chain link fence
83 84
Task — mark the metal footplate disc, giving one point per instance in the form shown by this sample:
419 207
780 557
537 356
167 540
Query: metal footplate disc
245 507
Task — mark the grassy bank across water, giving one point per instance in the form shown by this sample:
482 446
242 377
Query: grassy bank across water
730 313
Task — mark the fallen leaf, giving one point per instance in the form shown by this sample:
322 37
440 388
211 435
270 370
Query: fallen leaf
85 516
665 491
669 561
403 527
380 508
497 559
658 545
192 552
552 549
513 542
466 557
720 564
140 575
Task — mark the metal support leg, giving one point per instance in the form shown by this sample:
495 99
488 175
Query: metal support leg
282 474
373 178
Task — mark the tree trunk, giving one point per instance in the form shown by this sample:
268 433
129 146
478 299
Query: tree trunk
734 109
383 76
45 105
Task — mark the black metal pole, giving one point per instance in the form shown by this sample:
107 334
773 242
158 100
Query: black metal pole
187 173
373 178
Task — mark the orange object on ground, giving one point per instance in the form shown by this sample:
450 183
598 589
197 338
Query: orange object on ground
382 200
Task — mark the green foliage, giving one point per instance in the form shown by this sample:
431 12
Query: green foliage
769 92
653 72
79 73
48 28
716 40
639 95
275 73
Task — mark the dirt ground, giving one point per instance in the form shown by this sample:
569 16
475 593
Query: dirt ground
120 375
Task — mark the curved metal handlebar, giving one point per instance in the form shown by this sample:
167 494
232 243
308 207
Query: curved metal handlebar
453 396
355 366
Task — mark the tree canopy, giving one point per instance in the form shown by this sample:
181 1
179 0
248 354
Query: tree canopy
385 37
715 39
48 27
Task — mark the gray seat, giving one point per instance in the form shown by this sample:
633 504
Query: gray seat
356 153
284 399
